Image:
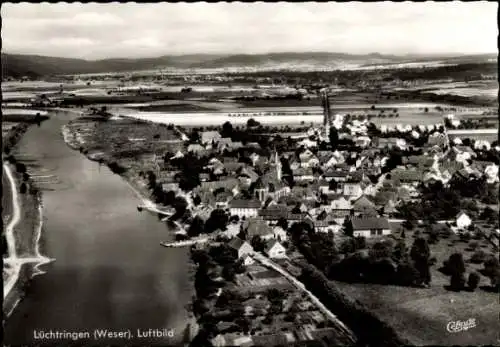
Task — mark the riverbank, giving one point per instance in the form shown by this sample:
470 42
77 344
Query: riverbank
23 235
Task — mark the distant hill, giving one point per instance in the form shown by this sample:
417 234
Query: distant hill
17 65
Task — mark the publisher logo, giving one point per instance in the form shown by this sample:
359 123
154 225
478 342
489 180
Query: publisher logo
458 326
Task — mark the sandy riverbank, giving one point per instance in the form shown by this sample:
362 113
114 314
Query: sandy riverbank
23 237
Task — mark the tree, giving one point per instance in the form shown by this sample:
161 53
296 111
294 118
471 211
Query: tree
348 246
489 215
196 200
169 198
180 205
333 137
258 243
420 254
227 129
347 226
333 185
360 242
473 281
252 123
409 224
456 268
20 168
400 251
196 227
283 223
218 220
407 274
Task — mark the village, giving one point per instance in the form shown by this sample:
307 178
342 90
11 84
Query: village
361 203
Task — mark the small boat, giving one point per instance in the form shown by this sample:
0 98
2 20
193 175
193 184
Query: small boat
139 208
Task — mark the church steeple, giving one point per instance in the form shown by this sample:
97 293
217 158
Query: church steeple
277 163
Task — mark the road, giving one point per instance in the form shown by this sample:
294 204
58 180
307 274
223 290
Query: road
271 264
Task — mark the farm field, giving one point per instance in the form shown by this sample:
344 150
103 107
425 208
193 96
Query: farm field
413 311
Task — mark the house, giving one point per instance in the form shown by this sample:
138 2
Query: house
362 141
370 226
303 174
244 208
353 188
208 137
235 145
222 199
363 205
437 138
275 250
335 175
308 143
325 222
248 260
340 203
223 143
256 227
274 213
241 247
279 234
463 221
196 149
389 143
413 177
323 186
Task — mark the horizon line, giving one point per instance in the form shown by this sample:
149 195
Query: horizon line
402 55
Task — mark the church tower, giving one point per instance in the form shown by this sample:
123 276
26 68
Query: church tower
277 163
327 121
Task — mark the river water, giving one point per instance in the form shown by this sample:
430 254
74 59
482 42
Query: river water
110 271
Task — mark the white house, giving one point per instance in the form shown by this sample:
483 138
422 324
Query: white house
277 234
352 189
463 220
248 260
275 250
341 204
303 174
491 172
370 226
209 137
362 141
244 208
482 144
241 247
308 143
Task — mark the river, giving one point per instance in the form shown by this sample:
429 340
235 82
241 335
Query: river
110 271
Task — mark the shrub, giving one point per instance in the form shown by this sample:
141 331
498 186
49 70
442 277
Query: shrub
457 281
478 257
465 237
473 281
473 245
446 232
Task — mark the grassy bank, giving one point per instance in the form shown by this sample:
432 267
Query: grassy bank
410 309
370 330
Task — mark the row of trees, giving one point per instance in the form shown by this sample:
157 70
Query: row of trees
455 267
385 262
212 264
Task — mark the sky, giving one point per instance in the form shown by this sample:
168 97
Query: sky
131 30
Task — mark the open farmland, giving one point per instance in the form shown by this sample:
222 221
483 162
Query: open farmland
413 310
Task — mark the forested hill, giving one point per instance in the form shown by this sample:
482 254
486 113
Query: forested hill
17 65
